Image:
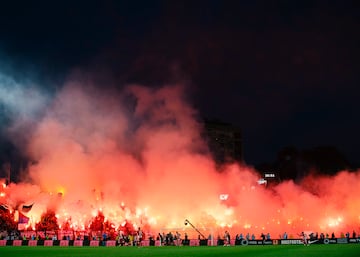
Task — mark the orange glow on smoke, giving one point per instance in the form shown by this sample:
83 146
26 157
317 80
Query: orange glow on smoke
150 166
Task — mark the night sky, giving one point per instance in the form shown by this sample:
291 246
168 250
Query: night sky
285 72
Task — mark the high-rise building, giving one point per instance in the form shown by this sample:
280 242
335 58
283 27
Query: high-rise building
224 141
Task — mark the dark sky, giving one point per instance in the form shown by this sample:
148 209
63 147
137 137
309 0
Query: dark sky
286 72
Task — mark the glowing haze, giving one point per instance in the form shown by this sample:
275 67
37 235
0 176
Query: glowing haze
138 156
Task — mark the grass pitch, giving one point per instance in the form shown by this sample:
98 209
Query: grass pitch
349 250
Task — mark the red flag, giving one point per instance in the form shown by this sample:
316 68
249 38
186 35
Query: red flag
23 219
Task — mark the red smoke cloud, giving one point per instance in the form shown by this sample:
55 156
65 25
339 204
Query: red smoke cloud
146 162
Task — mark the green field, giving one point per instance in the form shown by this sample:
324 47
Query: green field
349 250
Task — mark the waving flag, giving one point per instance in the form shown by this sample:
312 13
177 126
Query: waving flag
26 208
4 207
23 219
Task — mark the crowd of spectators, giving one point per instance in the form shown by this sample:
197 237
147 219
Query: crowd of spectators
170 238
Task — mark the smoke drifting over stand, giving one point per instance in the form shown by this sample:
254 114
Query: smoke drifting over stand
138 156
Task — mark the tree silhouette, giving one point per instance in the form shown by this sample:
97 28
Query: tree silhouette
48 222
127 228
66 225
326 159
295 164
97 224
7 222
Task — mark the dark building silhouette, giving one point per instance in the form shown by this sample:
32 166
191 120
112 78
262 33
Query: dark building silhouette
224 141
296 164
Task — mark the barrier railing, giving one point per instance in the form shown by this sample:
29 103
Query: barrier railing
191 243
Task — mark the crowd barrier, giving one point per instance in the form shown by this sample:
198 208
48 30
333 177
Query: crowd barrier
192 242
64 243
